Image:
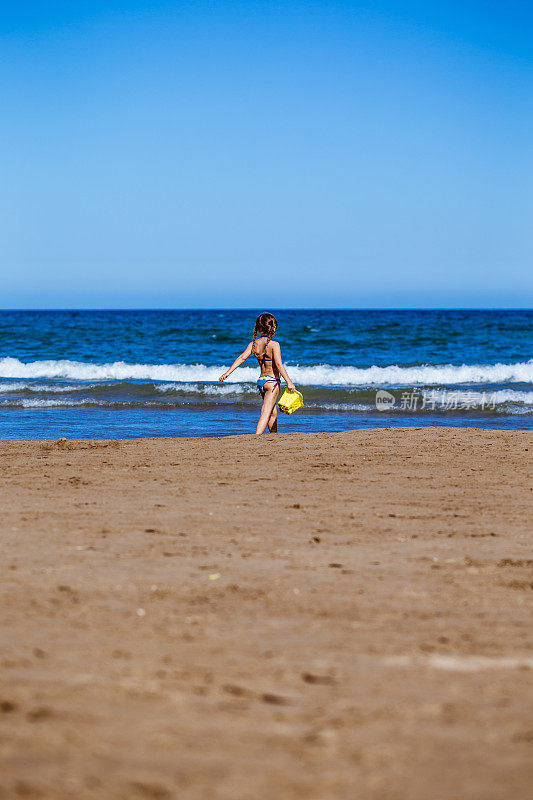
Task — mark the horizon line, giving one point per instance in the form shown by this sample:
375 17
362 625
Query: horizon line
277 308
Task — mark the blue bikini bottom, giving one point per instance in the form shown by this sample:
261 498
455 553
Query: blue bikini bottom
266 379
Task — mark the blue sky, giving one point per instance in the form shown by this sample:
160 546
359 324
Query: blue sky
227 154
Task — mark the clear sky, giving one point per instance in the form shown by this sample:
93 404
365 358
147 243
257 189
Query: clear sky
284 154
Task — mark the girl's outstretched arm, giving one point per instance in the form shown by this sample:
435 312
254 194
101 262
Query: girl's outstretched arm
238 361
276 350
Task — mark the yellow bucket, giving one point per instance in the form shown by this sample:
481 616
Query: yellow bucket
290 401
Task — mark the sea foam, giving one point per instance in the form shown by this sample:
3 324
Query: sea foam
317 375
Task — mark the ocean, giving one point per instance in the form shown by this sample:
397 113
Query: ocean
122 374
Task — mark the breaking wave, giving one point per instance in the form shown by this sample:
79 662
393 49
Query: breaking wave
491 402
317 375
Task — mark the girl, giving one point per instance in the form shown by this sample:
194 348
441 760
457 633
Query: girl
268 354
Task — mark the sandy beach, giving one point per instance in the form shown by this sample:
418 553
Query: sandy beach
321 616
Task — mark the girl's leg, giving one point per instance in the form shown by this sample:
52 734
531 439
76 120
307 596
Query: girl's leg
273 420
270 395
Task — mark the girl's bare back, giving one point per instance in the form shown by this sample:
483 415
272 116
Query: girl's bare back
263 351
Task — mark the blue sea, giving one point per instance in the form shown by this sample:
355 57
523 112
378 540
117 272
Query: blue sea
121 374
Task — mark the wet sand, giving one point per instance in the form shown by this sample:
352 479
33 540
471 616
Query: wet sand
190 618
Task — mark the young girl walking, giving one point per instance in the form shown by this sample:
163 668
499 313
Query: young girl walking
268 354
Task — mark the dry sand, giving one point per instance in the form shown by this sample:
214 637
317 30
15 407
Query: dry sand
321 616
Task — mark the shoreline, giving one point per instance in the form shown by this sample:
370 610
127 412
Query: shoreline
415 427
322 615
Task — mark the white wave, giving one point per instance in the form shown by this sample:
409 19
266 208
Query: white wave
206 389
25 402
341 406
318 375
475 398
118 370
12 387
31 403
48 388
509 401
504 396
424 375
430 401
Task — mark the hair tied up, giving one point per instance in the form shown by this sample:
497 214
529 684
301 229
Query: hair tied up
265 325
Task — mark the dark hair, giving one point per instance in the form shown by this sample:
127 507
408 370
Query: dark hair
265 325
